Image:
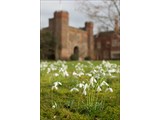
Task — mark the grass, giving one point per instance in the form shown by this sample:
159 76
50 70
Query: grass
62 104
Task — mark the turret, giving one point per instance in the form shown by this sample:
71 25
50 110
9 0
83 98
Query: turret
89 29
61 19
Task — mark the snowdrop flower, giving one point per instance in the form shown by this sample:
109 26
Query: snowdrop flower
94 71
80 74
53 67
55 105
107 64
65 73
99 89
74 74
57 83
88 74
103 73
61 70
109 74
85 86
84 92
48 70
92 80
109 89
74 89
54 87
112 71
56 74
118 70
80 85
104 83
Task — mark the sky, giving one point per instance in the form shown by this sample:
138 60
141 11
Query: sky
76 17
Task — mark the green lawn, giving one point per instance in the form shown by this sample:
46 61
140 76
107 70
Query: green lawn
91 101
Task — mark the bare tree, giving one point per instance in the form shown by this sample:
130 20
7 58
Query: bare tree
103 12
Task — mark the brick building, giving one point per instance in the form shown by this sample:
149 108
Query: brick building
70 39
107 44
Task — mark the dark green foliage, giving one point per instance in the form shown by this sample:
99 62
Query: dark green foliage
47 45
74 57
87 58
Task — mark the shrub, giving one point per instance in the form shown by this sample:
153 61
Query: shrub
87 58
74 57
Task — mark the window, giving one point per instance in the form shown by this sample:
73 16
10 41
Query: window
115 43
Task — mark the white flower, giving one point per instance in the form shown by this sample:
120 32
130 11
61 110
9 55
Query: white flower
65 73
104 83
112 71
77 74
57 83
74 89
84 92
92 80
80 74
107 64
80 85
109 89
85 86
48 70
88 74
74 74
56 74
55 105
54 87
99 89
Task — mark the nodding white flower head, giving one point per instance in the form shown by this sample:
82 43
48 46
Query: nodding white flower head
99 89
74 89
65 73
57 83
112 70
88 74
104 83
80 74
74 73
56 74
107 64
85 86
84 92
103 73
54 87
109 89
109 74
48 70
54 106
80 85
92 81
